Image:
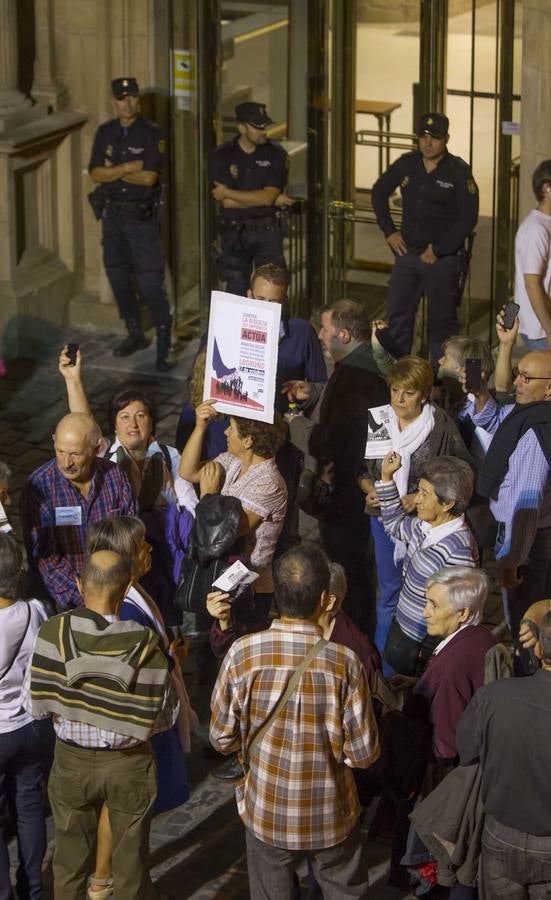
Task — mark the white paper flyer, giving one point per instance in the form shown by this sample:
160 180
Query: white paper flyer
242 348
378 432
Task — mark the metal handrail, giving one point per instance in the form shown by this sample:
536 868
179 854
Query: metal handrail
297 224
406 135
513 222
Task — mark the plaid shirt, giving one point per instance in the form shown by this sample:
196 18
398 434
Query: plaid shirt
299 793
59 551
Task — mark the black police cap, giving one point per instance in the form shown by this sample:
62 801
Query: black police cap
124 87
434 124
253 114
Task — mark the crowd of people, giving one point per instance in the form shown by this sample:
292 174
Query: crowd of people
356 680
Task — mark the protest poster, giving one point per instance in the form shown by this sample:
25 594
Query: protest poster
379 442
241 363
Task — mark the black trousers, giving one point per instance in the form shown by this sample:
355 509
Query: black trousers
241 250
133 255
345 533
440 283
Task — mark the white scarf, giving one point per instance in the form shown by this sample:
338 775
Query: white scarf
405 443
434 535
408 441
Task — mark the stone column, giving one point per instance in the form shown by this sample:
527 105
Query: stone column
47 87
14 106
535 134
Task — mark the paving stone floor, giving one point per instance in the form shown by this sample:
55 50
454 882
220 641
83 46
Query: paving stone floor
198 850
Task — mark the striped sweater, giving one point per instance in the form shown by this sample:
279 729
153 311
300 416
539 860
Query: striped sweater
109 675
453 549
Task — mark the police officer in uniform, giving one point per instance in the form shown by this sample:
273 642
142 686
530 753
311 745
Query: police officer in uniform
126 160
249 174
440 210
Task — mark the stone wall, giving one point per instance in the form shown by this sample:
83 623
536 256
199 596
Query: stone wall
535 135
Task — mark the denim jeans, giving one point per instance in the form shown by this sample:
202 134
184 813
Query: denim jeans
389 580
22 774
514 865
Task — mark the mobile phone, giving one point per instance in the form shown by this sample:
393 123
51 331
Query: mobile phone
528 658
72 350
473 374
509 314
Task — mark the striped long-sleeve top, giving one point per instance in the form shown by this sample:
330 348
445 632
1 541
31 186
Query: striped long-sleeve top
456 546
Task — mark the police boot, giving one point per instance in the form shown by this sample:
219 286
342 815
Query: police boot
136 339
163 349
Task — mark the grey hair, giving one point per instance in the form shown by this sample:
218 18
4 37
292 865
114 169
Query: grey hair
452 480
462 347
11 564
5 472
338 584
466 589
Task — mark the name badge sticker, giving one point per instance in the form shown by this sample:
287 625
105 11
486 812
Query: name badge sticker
68 515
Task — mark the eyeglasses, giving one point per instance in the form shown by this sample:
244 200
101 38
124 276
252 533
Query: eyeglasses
526 379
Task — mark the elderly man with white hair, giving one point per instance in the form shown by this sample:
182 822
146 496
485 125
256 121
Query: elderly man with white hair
455 601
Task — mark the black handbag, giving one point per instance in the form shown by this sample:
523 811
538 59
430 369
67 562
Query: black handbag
213 539
404 653
313 493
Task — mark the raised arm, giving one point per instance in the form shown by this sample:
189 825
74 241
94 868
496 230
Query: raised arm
76 395
395 519
507 339
190 461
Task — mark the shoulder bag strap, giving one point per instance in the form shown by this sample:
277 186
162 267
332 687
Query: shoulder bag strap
168 461
19 644
289 690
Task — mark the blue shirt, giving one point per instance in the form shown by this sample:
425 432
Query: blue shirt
523 503
299 357
114 145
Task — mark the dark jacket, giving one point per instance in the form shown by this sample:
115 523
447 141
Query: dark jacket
446 686
451 819
341 432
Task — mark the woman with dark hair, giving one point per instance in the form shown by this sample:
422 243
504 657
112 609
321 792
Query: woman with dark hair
165 500
125 536
249 472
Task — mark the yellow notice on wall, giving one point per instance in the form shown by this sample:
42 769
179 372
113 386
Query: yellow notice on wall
183 76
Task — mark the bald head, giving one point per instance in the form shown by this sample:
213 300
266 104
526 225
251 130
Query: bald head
76 442
104 581
78 425
533 382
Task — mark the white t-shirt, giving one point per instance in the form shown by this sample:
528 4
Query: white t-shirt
532 257
13 620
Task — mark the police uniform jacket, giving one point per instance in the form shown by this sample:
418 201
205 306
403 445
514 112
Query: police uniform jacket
439 207
264 167
114 145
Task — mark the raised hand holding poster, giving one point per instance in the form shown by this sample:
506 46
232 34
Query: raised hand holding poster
242 347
